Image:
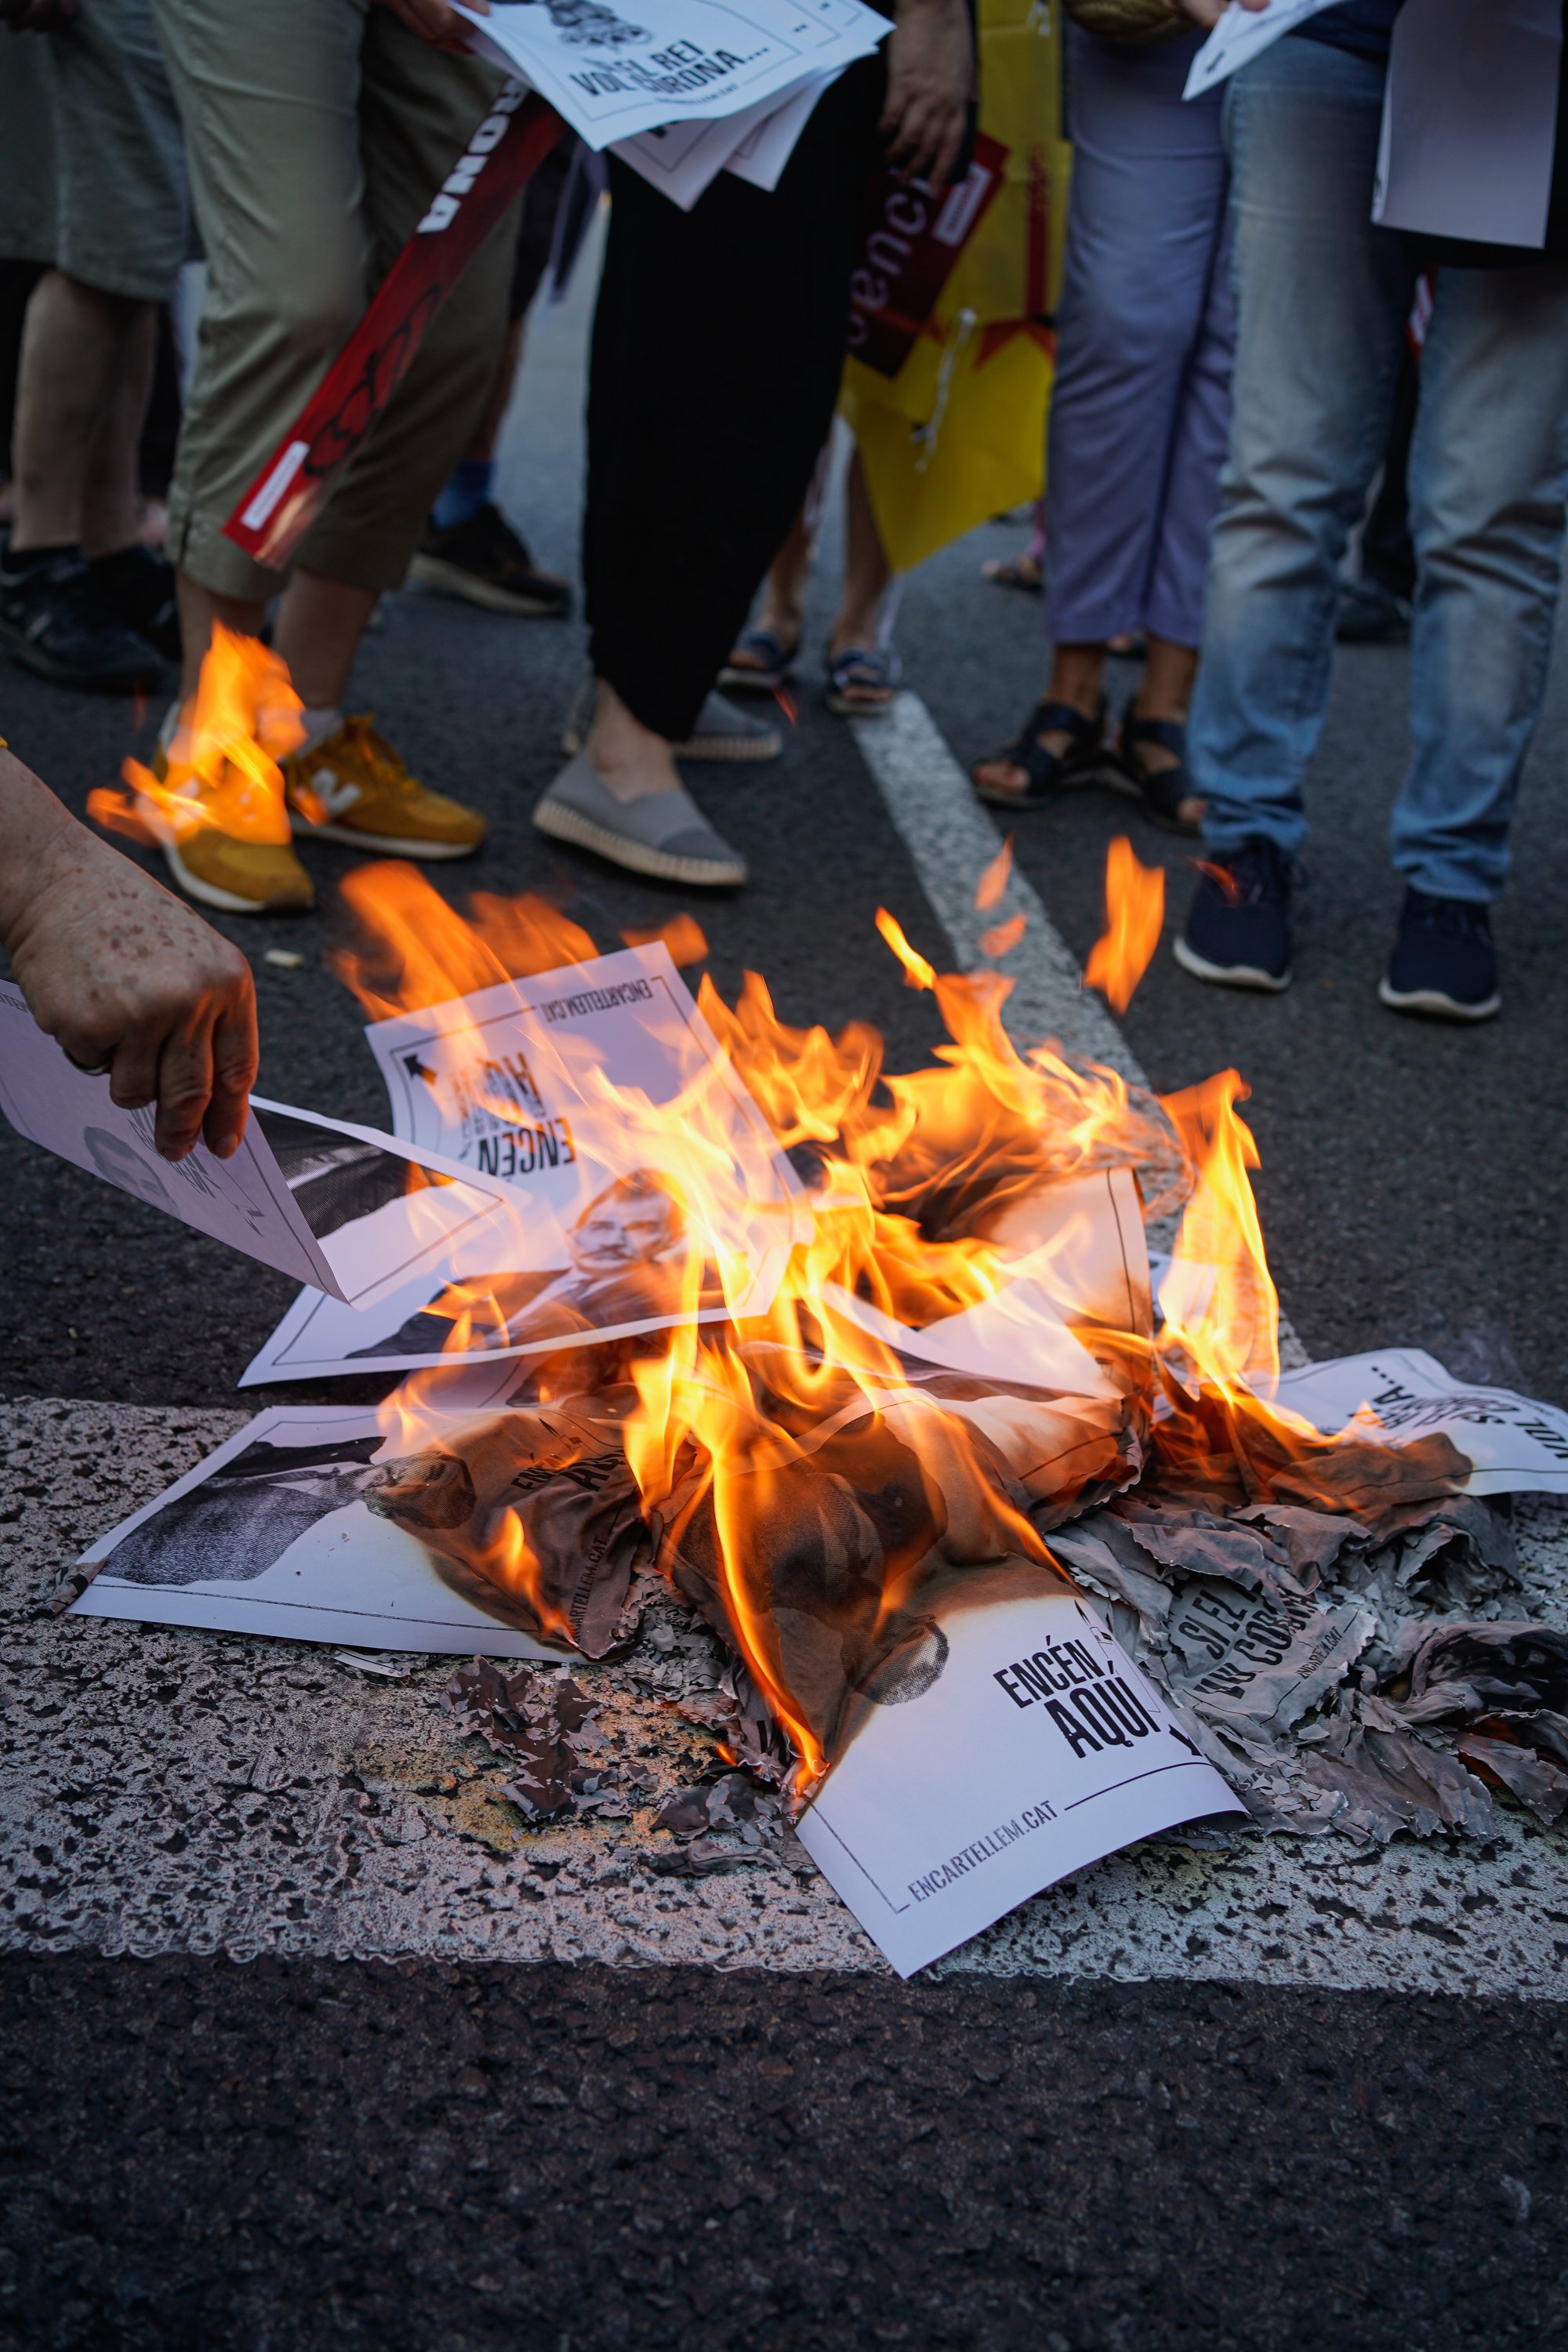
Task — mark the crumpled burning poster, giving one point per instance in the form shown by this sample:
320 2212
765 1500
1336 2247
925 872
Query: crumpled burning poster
632 1222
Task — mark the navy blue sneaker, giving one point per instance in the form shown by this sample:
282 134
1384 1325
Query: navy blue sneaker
1444 962
1238 925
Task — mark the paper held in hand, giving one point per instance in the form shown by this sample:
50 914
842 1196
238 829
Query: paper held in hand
616 71
559 1089
1242 34
356 1213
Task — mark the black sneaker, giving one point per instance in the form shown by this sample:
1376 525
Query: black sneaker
137 588
1444 962
484 561
55 620
1238 925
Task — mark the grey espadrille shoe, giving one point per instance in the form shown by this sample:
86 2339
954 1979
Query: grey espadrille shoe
664 833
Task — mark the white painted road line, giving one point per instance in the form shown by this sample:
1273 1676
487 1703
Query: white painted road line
951 839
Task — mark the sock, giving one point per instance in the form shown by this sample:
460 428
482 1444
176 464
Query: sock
318 726
20 563
465 494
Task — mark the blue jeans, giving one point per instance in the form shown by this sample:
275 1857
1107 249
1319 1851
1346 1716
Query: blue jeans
1323 299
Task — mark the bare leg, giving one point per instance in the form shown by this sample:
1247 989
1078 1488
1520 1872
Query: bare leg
199 608
111 494
866 571
1169 672
319 625
82 350
1077 678
783 612
632 759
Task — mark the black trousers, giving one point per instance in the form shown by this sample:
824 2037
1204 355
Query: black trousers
717 347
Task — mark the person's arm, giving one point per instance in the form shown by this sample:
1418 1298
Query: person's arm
123 975
931 80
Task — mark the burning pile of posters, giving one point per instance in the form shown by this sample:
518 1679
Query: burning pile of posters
1018 1556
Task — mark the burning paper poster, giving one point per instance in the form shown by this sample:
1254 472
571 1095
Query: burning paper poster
616 71
651 1187
279 1532
1020 1745
331 1203
1400 1395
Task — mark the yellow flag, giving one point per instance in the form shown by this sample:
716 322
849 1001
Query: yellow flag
959 433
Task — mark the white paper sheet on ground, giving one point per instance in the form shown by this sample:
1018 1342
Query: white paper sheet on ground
1240 36
1518 1445
767 147
270 1535
615 71
1469 119
1037 1749
561 1088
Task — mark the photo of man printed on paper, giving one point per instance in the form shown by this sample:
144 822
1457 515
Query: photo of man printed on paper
244 1517
629 1263
120 1163
335 1178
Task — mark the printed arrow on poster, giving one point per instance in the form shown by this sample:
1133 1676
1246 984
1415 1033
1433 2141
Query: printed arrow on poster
286 496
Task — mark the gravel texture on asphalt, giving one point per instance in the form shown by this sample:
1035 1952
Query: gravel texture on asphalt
164 1790
304 2154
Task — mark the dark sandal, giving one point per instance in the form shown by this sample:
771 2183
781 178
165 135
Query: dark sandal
1160 791
867 669
1049 773
772 667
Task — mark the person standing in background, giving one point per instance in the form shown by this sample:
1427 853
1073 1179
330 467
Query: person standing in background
316 131
93 188
1488 483
1138 415
717 354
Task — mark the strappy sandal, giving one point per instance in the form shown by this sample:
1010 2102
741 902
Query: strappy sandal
861 682
772 664
1160 791
1025 571
1049 773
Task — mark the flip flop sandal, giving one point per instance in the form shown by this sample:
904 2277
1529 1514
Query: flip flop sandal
1023 571
1049 773
771 667
876 673
1159 791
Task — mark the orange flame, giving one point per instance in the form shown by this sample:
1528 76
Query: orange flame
1135 910
221 768
929 1193
918 973
994 881
682 935
1003 937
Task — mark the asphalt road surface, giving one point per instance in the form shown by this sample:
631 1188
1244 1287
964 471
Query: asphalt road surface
304 2151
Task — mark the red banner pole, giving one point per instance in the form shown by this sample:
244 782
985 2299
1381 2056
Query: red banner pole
290 491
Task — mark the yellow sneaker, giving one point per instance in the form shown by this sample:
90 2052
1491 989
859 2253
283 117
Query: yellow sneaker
234 877
354 788
239 877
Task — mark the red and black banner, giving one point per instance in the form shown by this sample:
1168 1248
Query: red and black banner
290 491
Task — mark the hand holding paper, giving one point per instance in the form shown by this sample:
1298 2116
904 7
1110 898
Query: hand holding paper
123 975
1241 32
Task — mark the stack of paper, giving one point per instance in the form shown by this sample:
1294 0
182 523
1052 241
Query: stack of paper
682 89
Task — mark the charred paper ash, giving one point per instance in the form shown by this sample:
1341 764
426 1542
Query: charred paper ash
987 1553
